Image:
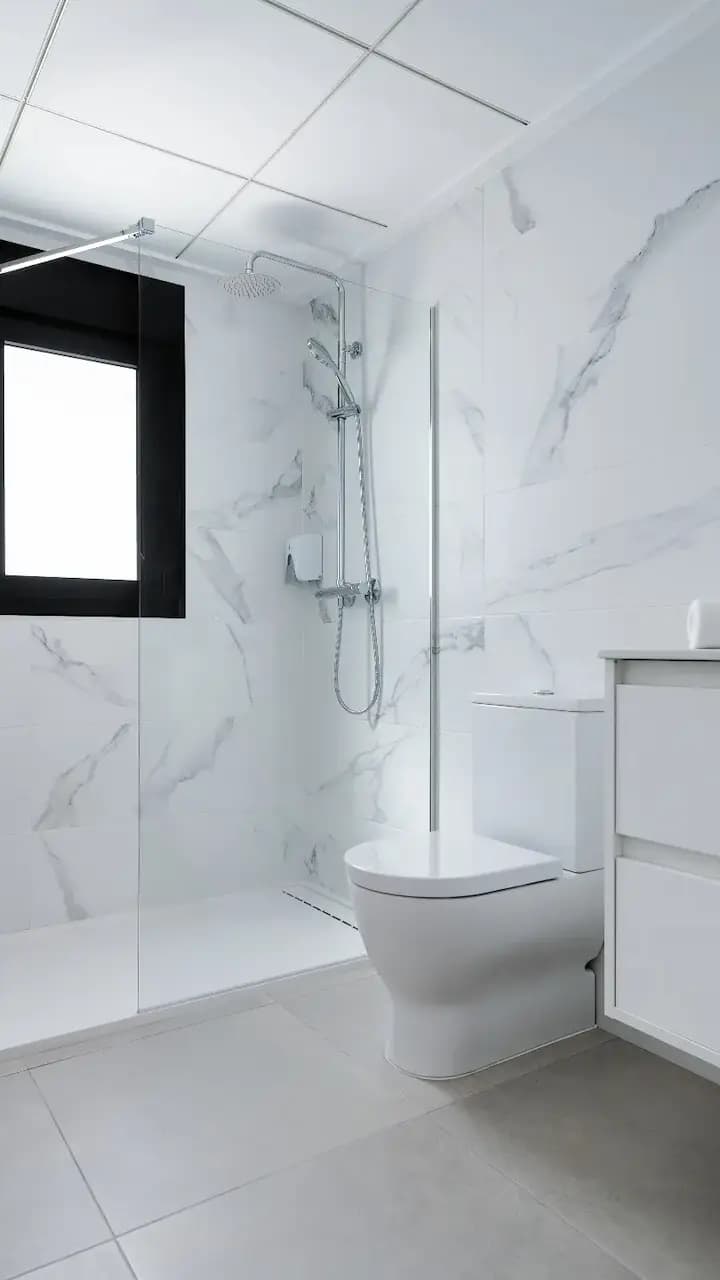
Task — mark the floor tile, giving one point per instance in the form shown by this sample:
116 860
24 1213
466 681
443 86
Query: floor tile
622 1144
352 1018
46 1211
412 1203
104 1263
166 1121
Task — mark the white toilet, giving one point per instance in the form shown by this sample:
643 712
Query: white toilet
483 941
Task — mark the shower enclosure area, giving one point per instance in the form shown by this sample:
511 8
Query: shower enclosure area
184 788
254 778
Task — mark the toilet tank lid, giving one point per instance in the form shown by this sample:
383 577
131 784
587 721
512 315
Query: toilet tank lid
546 701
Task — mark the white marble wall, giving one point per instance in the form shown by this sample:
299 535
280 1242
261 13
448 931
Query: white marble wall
580 455
68 741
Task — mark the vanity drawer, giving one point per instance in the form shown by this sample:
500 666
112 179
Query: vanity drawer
667 950
667 753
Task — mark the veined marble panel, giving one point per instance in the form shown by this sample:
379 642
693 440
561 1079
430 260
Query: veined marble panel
58 669
203 854
602 285
611 538
559 651
74 775
77 873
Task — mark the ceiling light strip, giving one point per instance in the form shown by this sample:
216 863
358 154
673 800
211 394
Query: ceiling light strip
34 74
363 58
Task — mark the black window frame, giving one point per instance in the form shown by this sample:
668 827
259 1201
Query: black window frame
77 308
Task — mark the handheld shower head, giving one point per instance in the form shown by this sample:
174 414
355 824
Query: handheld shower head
251 284
322 354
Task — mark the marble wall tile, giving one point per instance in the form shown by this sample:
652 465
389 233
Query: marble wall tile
76 775
57 669
455 770
559 651
461 576
613 537
603 306
81 872
15 869
204 854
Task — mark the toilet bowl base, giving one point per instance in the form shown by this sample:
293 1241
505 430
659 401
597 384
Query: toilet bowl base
445 1043
474 980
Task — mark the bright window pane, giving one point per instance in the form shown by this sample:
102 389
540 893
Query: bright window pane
70 489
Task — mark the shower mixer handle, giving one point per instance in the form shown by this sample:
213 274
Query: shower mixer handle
349 592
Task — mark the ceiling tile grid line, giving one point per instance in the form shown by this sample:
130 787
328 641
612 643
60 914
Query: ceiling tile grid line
315 22
200 164
35 71
348 74
451 88
398 62
204 164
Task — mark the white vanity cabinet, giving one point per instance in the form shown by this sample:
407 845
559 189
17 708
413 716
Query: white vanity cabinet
662 905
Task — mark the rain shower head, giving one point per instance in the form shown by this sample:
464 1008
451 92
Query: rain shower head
251 284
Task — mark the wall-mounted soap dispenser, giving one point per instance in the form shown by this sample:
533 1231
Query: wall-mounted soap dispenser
304 558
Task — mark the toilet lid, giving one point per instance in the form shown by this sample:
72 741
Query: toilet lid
451 866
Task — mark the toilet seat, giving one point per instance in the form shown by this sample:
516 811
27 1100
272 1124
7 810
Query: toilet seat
434 865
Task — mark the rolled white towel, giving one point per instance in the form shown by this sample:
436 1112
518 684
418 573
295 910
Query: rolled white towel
703 624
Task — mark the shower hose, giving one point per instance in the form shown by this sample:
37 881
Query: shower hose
372 592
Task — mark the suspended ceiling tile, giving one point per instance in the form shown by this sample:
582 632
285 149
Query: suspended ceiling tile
387 142
67 175
224 82
365 21
522 55
22 31
260 218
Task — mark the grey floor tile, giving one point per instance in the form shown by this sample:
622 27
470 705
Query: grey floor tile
104 1263
46 1211
622 1144
352 1018
412 1203
163 1122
